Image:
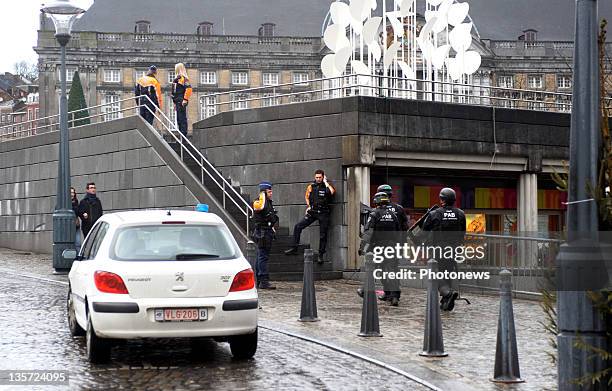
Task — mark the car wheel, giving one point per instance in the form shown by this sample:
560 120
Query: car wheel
73 325
98 349
243 346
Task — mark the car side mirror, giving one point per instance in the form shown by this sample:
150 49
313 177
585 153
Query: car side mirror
69 255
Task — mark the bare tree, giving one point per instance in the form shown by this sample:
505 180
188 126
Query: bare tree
26 70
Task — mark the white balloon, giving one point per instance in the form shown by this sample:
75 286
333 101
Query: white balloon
457 13
398 27
342 58
406 7
427 49
430 14
441 22
406 70
390 54
445 6
328 68
471 62
375 50
439 55
332 35
454 68
373 4
340 13
370 29
461 37
428 27
360 68
359 10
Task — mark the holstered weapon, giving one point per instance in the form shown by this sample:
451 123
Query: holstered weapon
416 233
364 214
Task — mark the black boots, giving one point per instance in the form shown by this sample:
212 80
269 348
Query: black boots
265 284
447 303
291 251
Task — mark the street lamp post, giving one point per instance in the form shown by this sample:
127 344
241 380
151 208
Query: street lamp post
581 261
63 13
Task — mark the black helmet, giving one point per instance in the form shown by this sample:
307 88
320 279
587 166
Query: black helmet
381 198
385 189
448 196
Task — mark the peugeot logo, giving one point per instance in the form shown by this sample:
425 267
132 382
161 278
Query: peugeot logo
180 276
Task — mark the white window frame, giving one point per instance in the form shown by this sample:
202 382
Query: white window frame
208 78
269 100
270 78
208 106
505 81
240 78
301 78
531 82
564 82
171 110
111 112
139 73
171 76
112 75
241 104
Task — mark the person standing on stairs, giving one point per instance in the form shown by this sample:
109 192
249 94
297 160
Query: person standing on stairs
264 219
181 92
319 195
148 86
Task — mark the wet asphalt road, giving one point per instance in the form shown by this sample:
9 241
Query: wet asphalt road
34 335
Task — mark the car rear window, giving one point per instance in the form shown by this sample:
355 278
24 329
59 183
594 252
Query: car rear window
180 242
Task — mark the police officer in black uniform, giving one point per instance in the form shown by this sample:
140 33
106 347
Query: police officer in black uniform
319 195
264 219
448 226
397 208
383 229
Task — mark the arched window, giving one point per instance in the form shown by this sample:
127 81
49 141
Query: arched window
205 28
267 30
142 27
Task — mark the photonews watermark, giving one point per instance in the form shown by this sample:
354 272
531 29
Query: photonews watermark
425 274
412 254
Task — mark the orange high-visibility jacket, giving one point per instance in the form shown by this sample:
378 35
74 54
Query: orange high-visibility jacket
148 85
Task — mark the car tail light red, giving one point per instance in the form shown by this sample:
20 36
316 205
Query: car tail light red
243 281
108 282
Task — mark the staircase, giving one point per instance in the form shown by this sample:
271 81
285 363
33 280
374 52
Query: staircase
282 267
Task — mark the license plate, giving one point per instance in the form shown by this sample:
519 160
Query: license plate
180 314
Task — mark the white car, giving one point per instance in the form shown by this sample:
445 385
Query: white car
161 274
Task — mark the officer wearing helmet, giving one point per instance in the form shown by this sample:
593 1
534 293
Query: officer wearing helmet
397 208
382 229
447 225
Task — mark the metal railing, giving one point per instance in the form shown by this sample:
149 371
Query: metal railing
391 87
111 111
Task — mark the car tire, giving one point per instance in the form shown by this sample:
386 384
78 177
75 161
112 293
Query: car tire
98 349
75 329
243 346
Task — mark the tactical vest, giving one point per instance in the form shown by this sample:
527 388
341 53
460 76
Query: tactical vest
319 197
265 217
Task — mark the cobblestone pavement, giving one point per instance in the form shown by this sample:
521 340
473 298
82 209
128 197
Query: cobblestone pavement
469 334
35 336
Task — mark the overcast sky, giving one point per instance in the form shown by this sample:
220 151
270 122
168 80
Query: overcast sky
18 32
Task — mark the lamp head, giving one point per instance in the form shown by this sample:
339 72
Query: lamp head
64 13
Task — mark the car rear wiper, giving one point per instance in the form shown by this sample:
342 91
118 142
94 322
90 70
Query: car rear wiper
195 256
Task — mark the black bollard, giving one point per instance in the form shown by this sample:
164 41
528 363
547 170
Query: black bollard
308 313
369 311
433 342
506 354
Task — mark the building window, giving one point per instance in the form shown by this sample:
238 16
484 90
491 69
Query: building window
505 81
269 100
171 76
564 81
300 78
208 106
240 78
69 74
239 101
564 103
171 110
3 118
301 98
112 75
205 28
534 81
112 107
142 27
267 30
270 79
531 35
139 73
208 77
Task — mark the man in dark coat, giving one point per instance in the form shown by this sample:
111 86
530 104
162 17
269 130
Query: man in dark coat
90 209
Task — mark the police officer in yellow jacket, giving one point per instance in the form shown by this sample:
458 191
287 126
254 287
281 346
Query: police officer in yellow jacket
181 92
148 86
264 220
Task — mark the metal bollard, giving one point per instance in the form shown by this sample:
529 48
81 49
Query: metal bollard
251 253
308 312
369 311
506 353
433 342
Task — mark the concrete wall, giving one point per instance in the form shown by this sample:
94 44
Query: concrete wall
131 166
285 144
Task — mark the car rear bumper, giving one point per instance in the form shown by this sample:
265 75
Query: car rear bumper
226 316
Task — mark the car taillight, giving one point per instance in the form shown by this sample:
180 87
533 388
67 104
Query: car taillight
108 282
243 281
